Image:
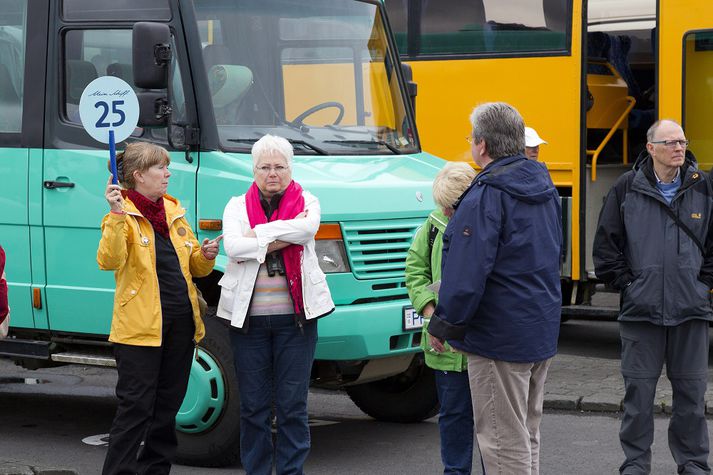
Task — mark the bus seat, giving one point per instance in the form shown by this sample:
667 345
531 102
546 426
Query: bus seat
10 103
122 71
216 54
79 74
615 50
228 84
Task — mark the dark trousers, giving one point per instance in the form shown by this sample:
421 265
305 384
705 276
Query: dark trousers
151 386
455 421
273 361
684 349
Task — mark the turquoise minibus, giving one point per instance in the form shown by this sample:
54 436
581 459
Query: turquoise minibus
322 73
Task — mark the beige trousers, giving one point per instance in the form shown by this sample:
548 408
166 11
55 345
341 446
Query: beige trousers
507 409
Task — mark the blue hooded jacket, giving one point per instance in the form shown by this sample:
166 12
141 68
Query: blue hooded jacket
500 294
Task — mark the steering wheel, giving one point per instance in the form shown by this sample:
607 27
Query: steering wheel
299 120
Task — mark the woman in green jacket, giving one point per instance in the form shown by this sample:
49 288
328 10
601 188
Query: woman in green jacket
423 268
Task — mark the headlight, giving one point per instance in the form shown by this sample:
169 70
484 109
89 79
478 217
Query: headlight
332 256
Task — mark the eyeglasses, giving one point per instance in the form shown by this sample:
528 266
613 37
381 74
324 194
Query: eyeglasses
265 170
672 143
470 139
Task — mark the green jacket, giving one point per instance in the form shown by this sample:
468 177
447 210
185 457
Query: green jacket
423 267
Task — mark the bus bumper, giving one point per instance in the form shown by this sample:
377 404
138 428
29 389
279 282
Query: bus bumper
366 331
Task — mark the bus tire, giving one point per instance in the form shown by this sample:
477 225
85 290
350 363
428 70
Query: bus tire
208 423
407 397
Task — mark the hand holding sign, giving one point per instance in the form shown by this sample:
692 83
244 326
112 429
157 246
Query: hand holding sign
109 111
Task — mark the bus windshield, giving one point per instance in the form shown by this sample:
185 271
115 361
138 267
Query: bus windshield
318 72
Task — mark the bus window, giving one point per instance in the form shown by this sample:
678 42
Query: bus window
12 64
482 26
698 95
140 10
90 54
93 53
398 19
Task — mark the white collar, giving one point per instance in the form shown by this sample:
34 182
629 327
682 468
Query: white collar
675 179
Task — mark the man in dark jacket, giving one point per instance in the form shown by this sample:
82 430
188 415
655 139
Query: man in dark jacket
500 296
654 244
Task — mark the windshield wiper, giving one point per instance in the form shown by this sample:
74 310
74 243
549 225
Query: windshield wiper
302 143
393 149
319 151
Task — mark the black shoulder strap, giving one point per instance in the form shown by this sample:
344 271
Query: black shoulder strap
683 227
432 233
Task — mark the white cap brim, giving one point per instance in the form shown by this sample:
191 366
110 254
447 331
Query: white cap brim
531 138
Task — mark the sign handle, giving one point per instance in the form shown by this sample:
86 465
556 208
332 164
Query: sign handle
112 157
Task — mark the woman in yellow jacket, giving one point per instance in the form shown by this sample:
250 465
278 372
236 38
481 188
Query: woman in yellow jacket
151 248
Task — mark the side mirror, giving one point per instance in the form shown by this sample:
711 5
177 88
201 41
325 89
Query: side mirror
151 55
411 86
154 110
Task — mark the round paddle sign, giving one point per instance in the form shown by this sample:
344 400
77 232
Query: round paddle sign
109 104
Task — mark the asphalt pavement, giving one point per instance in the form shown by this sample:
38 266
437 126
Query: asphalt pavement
583 378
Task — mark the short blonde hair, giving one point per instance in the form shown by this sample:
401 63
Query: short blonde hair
451 182
270 145
138 157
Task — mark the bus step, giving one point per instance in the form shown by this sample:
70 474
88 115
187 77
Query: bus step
25 348
84 358
590 311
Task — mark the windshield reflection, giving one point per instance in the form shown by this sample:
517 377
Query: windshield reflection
318 72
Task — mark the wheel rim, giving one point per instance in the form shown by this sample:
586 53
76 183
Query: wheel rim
205 395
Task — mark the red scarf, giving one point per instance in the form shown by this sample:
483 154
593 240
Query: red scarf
291 204
4 309
154 211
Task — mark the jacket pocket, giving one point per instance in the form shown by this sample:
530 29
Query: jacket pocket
317 293
132 290
643 297
228 285
693 297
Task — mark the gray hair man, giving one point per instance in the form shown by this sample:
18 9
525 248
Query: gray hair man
500 297
654 244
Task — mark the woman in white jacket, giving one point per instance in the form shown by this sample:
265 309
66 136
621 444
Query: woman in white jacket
272 293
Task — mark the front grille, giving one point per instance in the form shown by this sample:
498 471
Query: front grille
377 249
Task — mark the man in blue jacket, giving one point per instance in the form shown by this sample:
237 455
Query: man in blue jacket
654 243
500 294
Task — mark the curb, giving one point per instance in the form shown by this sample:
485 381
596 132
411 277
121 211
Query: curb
604 403
19 468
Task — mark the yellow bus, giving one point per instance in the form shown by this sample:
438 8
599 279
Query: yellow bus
590 77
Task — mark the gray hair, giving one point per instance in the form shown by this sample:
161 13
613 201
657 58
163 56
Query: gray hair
655 127
502 128
453 179
270 145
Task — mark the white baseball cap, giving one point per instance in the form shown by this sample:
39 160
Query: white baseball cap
531 138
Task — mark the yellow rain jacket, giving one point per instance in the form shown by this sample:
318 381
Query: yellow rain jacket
127 247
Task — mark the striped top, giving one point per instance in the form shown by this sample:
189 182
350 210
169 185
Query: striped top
271 296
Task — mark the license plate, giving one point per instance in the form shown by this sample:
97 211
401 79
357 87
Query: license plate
412 320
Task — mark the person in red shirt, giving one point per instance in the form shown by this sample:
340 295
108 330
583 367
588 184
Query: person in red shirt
4 308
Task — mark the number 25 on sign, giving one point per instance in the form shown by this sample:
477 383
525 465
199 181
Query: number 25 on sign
109 111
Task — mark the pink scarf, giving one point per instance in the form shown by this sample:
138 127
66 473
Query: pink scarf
291 204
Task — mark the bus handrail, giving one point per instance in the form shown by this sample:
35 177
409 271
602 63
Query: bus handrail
595 153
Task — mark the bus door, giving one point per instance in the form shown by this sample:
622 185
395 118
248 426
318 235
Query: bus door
23 36
524 52
91 39
685 72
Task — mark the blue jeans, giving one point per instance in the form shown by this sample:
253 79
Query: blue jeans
455 421
273 362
